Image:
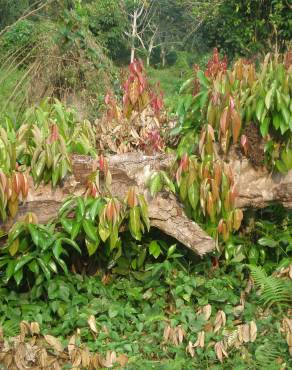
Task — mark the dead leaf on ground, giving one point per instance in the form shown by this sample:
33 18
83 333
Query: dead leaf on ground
54 342
92 324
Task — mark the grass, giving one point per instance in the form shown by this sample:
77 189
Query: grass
170 80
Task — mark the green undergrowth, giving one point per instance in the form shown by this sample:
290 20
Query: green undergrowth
132 314
170 80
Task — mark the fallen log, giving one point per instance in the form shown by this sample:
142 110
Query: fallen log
256 188
131 169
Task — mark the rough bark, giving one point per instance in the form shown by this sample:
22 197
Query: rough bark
130 169
258 187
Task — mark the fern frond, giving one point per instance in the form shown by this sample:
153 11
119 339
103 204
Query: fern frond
266 356
273 289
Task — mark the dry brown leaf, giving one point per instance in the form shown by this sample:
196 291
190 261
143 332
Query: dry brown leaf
122 360
245 333
220 351
207 310
240 334
190 349
252 331
181 334
54 342
96 361
24 329
287 325
34 328
85 357
43 357
166 333
92 324
200 342
111 358
71 346
220 320
289 339
56 366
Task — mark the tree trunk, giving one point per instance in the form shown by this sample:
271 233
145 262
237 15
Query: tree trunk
133 36
163 56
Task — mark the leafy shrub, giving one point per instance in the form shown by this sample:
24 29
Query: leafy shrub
34 251
224 101
20 35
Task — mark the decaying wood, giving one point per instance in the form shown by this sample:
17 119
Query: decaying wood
131 169
256 187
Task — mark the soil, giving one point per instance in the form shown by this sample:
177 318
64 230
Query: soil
255 152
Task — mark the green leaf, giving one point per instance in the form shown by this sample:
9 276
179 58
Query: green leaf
91 247
80 209
154 249
23 261
193 195
104 232
144 211
269 96
35 234
171 250
135 223
183 189
277 120
67 225
281 167
114 237
264 127
169 184
34 267
53 266
155 184
204 99
259 109
203 79
18 276
267 242
285 114
75 229
72 243
10 270
90 230
187 84
253 255
16 230
57 251
66 205
96 208
43 266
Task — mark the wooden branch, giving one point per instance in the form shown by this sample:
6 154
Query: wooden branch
131 169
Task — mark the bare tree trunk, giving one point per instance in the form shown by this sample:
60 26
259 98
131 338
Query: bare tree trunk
134 35
163 56
150 48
